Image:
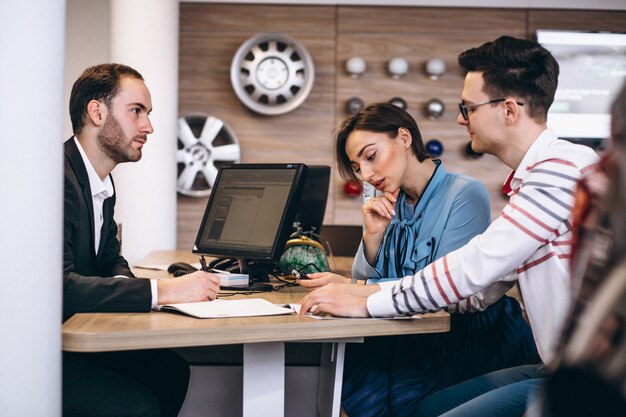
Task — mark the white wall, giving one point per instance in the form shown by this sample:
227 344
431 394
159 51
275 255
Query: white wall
31 211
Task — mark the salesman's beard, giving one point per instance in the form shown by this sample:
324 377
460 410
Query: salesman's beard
113 142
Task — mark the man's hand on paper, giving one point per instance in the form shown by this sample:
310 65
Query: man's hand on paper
342 300
197 286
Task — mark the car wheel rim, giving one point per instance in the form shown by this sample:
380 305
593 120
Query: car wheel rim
272 74
204 144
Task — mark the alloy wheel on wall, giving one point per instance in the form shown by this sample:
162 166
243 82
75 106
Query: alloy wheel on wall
204 144
272 73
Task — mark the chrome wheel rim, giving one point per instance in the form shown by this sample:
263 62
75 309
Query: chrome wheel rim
272 73
204 144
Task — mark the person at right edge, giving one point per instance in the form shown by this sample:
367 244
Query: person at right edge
509 86
589 375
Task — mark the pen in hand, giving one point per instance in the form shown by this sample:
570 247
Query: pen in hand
203 264
205 268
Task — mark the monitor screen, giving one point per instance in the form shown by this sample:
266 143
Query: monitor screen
250 212
312 207
592 72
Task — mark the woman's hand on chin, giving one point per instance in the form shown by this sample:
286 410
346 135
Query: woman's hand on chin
378 211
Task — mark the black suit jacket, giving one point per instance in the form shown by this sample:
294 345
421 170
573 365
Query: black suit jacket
88 279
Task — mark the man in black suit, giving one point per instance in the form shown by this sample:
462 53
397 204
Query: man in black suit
109 108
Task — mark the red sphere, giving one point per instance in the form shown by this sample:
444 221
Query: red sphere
351 190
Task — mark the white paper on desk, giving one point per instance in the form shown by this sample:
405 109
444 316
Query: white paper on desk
296 308
229 308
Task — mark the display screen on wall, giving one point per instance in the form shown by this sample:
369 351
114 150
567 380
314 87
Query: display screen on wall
592 71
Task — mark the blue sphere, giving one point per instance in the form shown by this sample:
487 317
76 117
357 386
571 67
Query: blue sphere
434 147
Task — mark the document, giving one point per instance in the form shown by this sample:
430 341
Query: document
325 316
217 308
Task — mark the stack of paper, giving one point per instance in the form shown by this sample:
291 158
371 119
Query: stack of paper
233 280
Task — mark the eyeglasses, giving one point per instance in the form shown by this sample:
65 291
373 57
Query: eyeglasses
464 107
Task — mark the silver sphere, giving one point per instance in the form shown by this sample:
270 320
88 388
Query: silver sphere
398 67
435 108
355 66
435 67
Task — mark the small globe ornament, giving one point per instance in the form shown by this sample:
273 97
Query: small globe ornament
435 68
355 66
354 105
351 190
435 108
398 102
434 147
398 67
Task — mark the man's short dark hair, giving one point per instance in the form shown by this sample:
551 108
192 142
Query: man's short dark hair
516 68
379 118
100 82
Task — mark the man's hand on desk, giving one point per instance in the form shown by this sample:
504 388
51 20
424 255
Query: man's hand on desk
342 300
197 286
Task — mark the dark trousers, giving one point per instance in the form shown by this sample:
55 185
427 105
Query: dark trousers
135 383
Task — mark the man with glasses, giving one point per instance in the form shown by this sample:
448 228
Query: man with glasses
509 87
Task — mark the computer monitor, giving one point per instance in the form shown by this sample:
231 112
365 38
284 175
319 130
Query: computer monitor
312 207
591 74
250 213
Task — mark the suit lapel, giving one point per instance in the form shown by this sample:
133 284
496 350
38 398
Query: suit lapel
76 161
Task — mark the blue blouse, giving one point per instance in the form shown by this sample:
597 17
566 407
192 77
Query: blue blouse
453 209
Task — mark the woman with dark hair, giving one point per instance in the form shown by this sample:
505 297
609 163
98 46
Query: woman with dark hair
422 213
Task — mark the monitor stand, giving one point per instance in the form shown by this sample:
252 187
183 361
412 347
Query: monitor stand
243 266
258 275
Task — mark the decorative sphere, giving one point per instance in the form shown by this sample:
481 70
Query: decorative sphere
351 190
470 152
398 102
398 67
434 147
355 66
354 105
435 108
435 67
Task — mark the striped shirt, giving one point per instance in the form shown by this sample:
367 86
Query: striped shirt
530 242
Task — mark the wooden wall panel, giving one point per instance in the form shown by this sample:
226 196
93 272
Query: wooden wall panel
427 20
211 33
418 34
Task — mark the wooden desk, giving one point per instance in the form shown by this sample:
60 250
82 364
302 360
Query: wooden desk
263 339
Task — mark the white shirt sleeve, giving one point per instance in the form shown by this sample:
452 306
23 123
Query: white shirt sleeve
535 215
155 294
